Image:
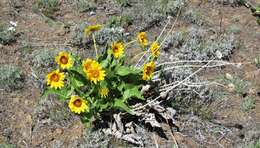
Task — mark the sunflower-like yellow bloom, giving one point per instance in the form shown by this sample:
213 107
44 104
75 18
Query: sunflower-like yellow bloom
155 49
78 105
148 70
89 29
87 64
95 73
117 49
142 38
103 92
64 59
55 79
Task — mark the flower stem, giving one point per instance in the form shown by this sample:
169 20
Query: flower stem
95 45
131 42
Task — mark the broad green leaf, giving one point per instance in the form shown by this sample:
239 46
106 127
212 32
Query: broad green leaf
114 63
114 84
63 93
105 63
69 92
132 92
104 107
76 82
88 92
121 86
119 103
77 78
103 84
87 118
124 71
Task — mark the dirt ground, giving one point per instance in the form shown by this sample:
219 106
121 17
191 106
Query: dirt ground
23 125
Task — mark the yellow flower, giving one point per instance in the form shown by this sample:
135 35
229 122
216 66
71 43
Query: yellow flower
87 64
142 38
103 92
78 105
55 79
89 29
148 70
155 49
65 60
96 73
117 49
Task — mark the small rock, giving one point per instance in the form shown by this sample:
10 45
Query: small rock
163 95
229 76
252 91
59 131
231 87
219 54
239 65
92 13
145 88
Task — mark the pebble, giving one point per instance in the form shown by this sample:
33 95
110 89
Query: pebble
59 131
231 87
229 76
92 13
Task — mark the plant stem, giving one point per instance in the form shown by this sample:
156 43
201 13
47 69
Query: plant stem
95 45
131 42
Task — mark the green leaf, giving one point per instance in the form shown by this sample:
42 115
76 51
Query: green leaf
105 60
124 71
63 93
76 83
77 79
88 92
120 87
104 107
132 91
119 103
87 118
104 63
103 84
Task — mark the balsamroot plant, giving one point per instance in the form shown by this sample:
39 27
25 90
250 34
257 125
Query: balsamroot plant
104 84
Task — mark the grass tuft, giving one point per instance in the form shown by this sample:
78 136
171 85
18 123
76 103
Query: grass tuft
7 34
46 7
248 104
85 6
10 77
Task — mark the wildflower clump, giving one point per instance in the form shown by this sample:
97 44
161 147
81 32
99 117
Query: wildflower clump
91 86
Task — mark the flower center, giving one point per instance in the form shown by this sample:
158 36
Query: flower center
142 38
115 49
87 66
64 60
95 73
148 70
55 77
77 103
